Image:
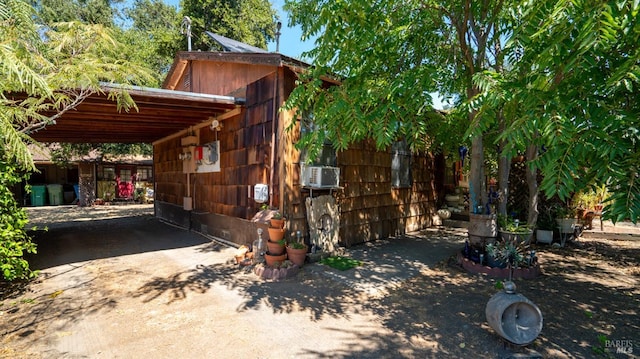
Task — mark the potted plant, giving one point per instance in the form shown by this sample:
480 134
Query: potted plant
545 225
510 229
503 253
566 219
273 260
297 252
277 220
276 234
491 253
276 247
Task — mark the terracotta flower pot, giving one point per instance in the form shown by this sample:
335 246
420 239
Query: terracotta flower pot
274 260
275 248
297 256
276 234
277 223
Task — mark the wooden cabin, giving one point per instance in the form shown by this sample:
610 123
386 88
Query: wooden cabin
212 177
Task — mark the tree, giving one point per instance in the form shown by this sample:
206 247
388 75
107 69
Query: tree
63 153
154 35
250 21
86 11
45 76
390 56
580 97
566 72
147 42
149 31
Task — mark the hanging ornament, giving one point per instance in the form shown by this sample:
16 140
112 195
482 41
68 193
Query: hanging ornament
463 153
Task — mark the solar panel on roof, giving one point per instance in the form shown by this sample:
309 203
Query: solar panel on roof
231 45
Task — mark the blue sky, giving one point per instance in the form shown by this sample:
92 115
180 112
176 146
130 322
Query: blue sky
290 43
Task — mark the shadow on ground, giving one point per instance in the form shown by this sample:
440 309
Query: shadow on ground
107 238
423 305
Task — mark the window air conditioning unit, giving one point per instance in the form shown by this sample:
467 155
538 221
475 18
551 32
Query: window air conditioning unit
320 176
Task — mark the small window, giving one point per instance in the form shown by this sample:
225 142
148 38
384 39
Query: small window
125 175
145 174
401 165
106 173
327 155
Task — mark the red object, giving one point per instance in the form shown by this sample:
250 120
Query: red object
198 153
125 189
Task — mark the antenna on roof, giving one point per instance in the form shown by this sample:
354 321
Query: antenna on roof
278 33
185 29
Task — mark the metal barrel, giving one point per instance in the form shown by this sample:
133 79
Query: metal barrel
482 227
514 317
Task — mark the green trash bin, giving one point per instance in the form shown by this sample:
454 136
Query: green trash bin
38 194
55 194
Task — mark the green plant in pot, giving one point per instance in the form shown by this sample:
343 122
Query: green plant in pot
491 252
276 247
566 219
545 225
511 229
277 220
297 250
504 253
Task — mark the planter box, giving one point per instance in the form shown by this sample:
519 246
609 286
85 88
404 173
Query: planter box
513 236
503 273
544 236
566 225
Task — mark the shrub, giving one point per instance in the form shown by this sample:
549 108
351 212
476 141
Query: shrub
14 241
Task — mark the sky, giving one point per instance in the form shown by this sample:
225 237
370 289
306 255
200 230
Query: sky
290 43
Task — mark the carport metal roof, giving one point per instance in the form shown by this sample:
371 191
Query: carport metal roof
160 113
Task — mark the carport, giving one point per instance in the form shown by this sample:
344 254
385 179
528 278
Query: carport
160 113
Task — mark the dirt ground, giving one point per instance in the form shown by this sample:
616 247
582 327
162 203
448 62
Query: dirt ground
147 289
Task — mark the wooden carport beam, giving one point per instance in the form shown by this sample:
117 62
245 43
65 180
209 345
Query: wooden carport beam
236 111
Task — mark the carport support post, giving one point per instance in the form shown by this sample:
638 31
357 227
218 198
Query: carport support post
86 183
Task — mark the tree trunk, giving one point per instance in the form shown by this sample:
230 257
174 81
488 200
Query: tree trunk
532 184
504 167
477 193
